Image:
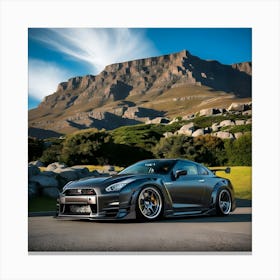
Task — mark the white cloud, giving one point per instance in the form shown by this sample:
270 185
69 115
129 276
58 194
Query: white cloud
98 47
43 78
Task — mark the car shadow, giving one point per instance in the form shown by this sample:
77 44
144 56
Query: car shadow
231 218
243 202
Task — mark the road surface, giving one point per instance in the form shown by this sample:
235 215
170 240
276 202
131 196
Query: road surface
192 234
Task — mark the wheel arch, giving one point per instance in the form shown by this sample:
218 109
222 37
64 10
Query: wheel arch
167 203
222 184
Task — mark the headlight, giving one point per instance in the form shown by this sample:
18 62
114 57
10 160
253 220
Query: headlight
115 187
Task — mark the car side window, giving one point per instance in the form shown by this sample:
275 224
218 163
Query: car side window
189 167
202 170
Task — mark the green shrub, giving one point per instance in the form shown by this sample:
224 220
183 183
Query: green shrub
239 151
35 148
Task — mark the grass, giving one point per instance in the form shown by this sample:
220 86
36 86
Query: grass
241 178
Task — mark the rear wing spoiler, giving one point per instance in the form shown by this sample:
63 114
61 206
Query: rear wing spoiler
226 170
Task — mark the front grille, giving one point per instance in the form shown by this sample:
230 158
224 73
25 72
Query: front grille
72 192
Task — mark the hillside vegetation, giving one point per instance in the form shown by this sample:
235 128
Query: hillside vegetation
128 144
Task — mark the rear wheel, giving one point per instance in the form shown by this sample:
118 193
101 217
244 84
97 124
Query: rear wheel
223 204
149 204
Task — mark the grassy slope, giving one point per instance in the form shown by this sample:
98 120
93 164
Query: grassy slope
241 178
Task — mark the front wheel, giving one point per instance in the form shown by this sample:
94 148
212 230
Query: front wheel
223 203
149 204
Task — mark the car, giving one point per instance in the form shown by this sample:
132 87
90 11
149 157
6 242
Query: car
149 190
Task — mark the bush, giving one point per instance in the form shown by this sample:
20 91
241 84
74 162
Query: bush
85 148
239 152
51 154
204 149
35 148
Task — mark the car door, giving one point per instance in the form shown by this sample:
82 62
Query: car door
187 190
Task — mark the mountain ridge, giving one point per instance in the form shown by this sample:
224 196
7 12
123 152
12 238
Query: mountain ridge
136 91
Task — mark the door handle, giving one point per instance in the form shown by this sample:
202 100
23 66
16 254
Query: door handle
201 180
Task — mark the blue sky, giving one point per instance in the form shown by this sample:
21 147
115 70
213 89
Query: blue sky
55 55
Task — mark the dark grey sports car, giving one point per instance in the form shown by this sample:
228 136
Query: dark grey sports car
148 190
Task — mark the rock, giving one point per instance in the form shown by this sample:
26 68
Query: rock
249 121
33 170
81 170
236 107
158 120
240 122
44 181
209 112
94 173
49 173
226 123
224 135
33 189
188 117
55 165
37 163
247 113
187 129
70 174
110 168
215 127
238 135
51 192
167 134
198 132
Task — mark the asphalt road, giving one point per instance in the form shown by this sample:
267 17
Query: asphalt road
192 234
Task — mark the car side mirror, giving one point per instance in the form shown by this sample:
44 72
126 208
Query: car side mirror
179 173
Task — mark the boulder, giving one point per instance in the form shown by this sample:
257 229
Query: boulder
209 112
240 122
37 163
33 189
33 170
158 120
236 107
81 170
226 123
249 121
69 173
51 192
55 165
238 135
224 135
44 181
188 117
49 173
247 113
215 127
198 132
94 173
187 129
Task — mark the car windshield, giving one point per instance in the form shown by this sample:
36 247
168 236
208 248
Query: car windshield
150 167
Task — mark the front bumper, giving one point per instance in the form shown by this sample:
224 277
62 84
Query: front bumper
93 207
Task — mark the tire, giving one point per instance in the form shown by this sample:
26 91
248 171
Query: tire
149 204
223 202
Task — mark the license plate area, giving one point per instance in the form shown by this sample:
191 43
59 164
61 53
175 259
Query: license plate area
78 199
80 209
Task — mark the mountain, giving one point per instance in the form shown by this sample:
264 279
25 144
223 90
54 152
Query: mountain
136 91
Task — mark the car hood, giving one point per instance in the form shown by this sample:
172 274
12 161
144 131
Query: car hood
103 182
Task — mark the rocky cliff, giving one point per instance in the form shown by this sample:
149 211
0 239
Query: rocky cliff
136 91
